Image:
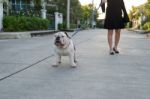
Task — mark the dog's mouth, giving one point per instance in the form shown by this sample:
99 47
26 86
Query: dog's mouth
58 43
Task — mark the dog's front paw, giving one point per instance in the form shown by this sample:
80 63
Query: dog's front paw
55 65
74 65
75 61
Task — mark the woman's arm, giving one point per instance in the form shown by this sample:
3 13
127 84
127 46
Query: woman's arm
102 4
125 15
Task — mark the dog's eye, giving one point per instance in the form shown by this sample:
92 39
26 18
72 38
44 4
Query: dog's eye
62 36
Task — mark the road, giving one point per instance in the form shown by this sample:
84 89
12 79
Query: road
26 71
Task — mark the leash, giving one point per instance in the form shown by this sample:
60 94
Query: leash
76 31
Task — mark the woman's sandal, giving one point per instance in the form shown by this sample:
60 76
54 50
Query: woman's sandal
116 51
111 53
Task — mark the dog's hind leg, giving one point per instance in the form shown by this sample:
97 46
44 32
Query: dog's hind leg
59 59
75 60
72 60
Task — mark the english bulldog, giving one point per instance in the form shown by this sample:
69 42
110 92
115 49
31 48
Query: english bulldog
64 46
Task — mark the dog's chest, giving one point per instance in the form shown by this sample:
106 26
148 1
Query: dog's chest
63 52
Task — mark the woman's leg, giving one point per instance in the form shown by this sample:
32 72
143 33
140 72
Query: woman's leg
117 38
110 39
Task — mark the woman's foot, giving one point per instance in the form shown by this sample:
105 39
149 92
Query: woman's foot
111 52
115 50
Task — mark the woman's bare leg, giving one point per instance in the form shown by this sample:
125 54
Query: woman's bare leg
110 39
117 38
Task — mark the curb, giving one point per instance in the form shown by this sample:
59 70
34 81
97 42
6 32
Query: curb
41 33
148 35
28 34
139 31
14 35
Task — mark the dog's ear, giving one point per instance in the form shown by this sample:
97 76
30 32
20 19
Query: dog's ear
67 35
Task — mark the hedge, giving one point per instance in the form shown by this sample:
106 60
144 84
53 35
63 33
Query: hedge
23 23
146 26
64 26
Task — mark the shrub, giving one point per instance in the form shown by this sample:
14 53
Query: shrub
146 26
100 24
22 23
84 26
73 26
128 25
62 26
9 23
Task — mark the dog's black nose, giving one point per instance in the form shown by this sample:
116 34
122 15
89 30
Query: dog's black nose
57 38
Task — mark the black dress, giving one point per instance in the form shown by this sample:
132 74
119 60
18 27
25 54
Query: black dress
116 15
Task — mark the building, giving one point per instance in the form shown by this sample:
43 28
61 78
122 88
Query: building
38 7
1 14
15 6
18 5
10 6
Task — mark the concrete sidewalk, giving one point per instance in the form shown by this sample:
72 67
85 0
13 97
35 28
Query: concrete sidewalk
26 72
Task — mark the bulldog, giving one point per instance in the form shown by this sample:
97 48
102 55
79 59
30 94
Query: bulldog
64 46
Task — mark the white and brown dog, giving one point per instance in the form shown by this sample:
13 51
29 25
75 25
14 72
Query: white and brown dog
64 46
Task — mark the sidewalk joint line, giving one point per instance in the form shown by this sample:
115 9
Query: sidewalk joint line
3 78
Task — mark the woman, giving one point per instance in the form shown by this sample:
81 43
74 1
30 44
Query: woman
116 17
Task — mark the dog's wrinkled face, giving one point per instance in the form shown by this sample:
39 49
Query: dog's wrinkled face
60 39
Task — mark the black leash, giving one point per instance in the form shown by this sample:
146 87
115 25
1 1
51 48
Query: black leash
76 31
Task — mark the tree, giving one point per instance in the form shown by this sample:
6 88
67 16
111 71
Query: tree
37 6
141 11
147 10
86 12
75 9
